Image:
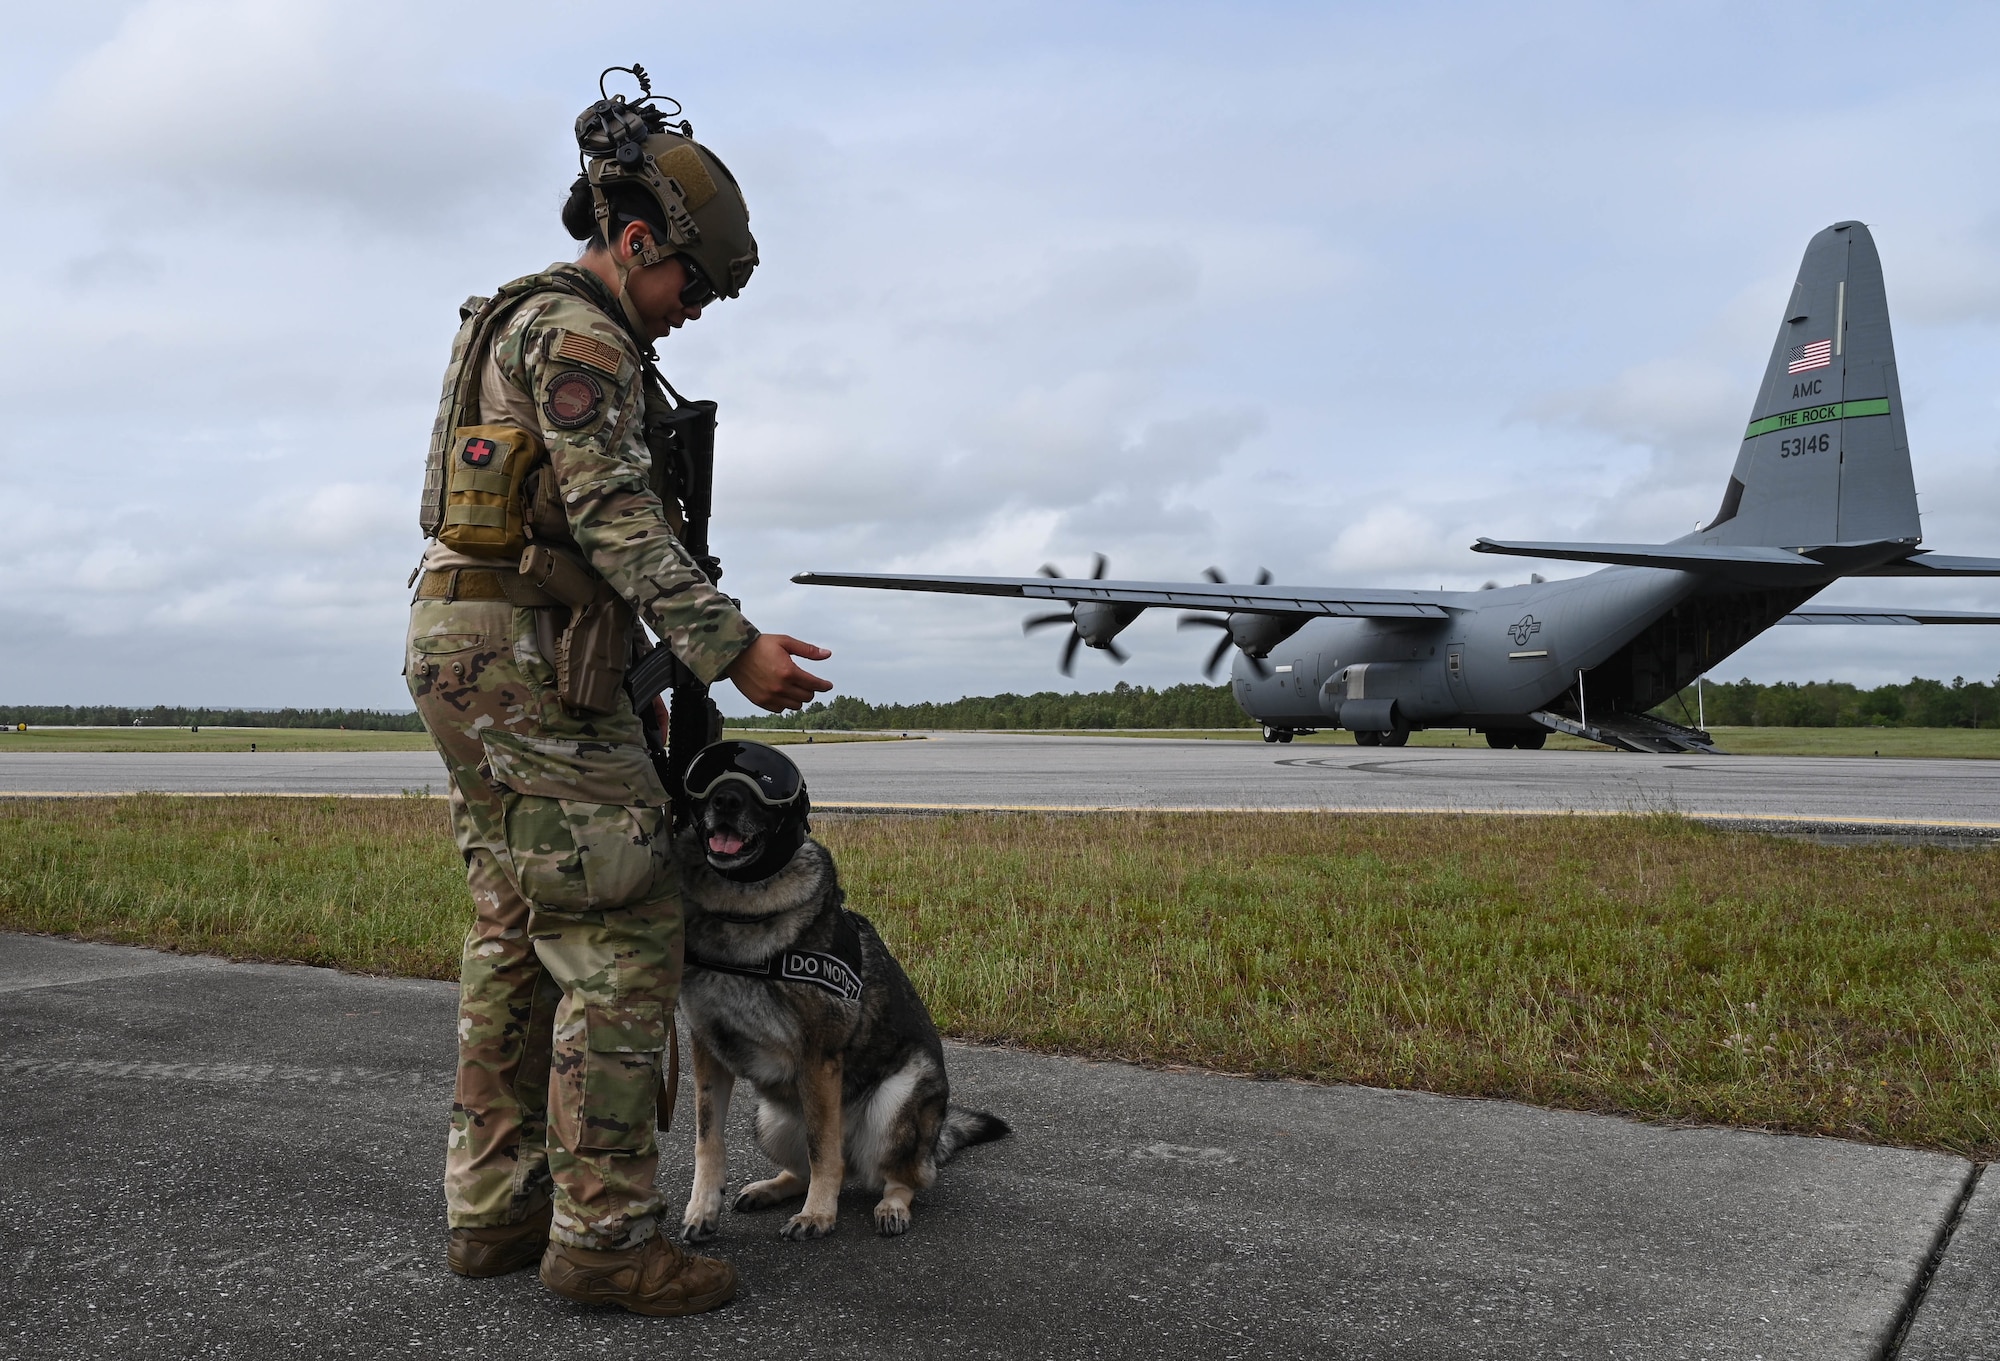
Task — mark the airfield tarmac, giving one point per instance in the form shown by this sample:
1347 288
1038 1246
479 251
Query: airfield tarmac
213 1159
989 770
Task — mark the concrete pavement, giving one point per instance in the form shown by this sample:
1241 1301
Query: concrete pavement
1005 770
206 1159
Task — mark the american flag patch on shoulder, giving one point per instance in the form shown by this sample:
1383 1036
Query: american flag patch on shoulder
1814 355
581 349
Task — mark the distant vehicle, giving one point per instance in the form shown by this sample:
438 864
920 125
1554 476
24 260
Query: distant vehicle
1821 490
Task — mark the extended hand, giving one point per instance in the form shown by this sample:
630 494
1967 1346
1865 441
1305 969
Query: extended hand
770 679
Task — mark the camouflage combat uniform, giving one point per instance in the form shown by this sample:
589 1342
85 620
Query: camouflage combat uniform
572 964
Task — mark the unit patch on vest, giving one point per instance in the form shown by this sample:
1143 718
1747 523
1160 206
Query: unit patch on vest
582 349
574 401
479 452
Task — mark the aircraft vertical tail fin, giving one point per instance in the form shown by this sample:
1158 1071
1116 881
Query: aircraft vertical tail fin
1825 459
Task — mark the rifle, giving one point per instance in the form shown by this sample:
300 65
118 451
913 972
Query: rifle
682 441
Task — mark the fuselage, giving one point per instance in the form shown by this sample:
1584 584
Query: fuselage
1635 636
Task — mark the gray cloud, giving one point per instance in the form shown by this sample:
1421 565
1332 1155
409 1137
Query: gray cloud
1329 293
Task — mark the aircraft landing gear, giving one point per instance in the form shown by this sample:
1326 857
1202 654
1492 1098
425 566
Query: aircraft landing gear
1530 741
1272 734
1368 739
1499 739
1395 737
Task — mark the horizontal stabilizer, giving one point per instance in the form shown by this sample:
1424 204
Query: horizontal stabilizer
1836 614
1683 557
1936 565
1184 595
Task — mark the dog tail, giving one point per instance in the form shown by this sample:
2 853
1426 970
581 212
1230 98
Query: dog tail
964 1128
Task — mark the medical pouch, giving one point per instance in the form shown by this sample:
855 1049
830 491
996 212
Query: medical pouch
484 509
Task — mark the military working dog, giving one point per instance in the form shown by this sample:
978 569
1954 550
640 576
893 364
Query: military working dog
787 990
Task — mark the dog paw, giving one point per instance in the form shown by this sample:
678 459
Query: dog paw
699 1229
758 1195
804 1225
891 1220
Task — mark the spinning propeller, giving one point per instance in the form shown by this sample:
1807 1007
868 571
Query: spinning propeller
1091 623
1227 624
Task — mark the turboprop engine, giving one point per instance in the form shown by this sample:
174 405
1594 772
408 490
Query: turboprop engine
1254 634
1093 623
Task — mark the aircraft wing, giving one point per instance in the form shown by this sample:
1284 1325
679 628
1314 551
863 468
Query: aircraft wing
1838 614
1229 597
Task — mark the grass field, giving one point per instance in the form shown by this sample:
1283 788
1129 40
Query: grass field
1644 965
1970 743
288 739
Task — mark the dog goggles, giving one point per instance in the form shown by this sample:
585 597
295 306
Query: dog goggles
768 772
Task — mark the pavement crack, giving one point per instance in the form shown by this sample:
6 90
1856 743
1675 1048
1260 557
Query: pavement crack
1921 1287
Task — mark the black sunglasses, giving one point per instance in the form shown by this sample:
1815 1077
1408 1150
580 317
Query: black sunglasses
697 291
770 773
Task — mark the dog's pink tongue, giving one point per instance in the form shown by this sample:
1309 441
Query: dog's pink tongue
721 843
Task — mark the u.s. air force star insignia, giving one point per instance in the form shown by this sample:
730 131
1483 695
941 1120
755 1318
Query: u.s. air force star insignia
574 400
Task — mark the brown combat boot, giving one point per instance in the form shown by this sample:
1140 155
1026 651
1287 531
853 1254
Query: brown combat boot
502 1248
655 1278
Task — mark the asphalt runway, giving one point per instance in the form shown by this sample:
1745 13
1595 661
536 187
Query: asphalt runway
208 1159
978 770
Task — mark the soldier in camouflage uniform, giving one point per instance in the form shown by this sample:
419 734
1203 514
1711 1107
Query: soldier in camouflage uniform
572 965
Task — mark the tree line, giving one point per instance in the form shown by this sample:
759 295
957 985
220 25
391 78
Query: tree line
1916 703
1123 706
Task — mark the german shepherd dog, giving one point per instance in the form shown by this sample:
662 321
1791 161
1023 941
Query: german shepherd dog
790 992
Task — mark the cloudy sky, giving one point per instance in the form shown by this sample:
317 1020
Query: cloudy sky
1329 289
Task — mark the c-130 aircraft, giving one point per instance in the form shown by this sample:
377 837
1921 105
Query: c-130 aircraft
1821 490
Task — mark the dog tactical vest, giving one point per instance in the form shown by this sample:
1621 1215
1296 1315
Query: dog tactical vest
839 974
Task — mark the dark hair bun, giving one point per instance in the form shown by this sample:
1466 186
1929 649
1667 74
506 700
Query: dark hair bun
579 217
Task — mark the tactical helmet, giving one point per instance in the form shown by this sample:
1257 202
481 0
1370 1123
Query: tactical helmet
632 145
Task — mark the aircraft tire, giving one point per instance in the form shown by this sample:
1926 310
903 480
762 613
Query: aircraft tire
1270 734
1285 736
1530 741
1499 739
1368 739
1399 737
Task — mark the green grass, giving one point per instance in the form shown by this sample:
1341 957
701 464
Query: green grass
1963 743
288 739
209 739
1639 964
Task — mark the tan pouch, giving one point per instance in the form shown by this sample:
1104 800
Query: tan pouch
484 512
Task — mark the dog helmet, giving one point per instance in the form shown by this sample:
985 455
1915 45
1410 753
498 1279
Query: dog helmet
770 777
633 145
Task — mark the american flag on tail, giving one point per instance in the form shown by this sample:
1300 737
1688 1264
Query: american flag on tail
1816 355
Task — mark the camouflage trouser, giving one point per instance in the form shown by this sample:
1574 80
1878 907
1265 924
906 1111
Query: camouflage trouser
572 965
